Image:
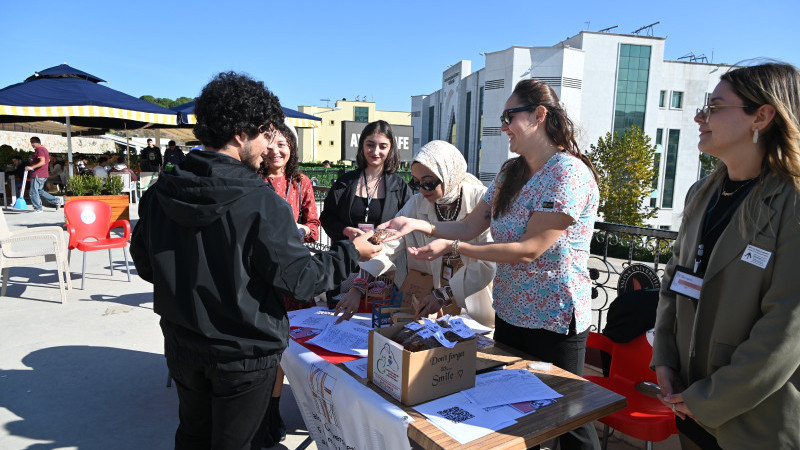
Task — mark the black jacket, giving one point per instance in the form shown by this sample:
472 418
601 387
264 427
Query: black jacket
150 159
336 212
220 248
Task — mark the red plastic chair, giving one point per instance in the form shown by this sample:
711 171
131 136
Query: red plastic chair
645 418
89 226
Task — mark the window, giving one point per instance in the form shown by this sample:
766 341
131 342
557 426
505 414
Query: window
453 128
333 122
466 128
632 78
361 114
708 97
431 111
319 143
677 100
331 143
656 166
664 227
673 137
480 122
662 99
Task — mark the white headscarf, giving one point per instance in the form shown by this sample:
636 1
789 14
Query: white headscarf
448 164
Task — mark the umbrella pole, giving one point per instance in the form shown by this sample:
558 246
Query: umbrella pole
128 147
69 147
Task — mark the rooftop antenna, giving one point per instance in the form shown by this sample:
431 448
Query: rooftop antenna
327 102
607 29
649 29
587 24
694 58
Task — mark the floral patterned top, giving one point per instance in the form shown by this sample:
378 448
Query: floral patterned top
301 199
546 292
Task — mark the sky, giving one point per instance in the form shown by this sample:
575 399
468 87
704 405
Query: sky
383 51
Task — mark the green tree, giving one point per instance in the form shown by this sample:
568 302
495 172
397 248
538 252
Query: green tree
624 164
707 164
166 102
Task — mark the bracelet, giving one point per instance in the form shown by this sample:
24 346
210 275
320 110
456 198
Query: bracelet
433 229
454 249
360 285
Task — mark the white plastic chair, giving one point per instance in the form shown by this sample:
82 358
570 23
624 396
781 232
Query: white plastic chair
32 247
3 189
128 187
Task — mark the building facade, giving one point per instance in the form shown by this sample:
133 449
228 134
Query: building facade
325 142
607 82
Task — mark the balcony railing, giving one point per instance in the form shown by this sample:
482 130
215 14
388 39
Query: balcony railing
617 252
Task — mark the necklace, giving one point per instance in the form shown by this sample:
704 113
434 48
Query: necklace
370 196
453 213
728 194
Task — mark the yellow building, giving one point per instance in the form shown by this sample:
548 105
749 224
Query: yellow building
325 142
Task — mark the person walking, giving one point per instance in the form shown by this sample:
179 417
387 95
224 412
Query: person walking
221 249
39 173
150 158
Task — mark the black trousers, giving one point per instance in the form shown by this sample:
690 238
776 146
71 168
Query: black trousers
220 409
564 350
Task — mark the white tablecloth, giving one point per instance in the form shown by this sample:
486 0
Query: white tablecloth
340 412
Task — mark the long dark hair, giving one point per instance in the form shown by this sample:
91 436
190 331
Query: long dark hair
559 128
392 162
292 168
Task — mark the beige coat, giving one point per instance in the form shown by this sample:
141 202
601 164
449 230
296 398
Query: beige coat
471 284
738 350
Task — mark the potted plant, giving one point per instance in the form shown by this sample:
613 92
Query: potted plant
107 191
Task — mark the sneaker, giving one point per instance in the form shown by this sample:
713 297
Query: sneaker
37 211
60 203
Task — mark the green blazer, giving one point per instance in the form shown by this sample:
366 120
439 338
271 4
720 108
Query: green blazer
738 348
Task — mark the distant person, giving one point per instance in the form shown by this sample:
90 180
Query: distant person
101 169
17 170
173 154
221 249
58 176
39 174
326 164
150 158
80 166
120 167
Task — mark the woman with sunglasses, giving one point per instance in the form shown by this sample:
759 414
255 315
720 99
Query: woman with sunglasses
541 210
280 171
727 352
447 192
361 199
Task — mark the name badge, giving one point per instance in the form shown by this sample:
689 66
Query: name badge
447 271
686 283
756 256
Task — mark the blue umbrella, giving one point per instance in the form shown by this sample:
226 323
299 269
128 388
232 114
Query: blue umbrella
71 96
296 118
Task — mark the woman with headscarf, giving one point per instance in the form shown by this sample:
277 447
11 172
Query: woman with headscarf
447 192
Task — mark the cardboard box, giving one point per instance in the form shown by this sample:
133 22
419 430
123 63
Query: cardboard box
416 377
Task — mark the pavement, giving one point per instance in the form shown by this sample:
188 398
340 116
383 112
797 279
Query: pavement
91 373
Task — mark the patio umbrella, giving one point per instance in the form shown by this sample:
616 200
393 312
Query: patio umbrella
71 96
296 118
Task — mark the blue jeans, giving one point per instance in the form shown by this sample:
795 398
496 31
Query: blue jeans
38 192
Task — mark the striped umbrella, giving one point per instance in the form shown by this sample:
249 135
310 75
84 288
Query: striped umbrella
73 97
296 118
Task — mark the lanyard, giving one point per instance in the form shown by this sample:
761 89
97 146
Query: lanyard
369 196
726 216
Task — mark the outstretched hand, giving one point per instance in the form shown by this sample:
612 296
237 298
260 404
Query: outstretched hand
404 225
365 248
348 305
435 249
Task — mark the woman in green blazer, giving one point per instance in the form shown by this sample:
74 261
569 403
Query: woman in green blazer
727 338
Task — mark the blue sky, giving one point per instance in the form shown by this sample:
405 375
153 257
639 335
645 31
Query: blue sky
387 51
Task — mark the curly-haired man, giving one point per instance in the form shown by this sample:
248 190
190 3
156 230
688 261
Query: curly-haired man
221 248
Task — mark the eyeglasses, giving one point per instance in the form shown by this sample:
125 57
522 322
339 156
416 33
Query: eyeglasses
705 111
506 117
427 186
270 135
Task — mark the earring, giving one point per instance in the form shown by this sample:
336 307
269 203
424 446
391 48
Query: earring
755 136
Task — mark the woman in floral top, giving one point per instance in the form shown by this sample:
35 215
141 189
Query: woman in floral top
541 210
280 171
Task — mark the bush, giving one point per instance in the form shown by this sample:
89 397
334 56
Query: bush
83 185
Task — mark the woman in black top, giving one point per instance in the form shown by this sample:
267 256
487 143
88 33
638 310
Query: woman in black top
371 194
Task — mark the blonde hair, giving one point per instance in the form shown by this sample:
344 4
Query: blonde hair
778 85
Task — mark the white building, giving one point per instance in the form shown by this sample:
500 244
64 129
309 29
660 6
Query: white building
607 83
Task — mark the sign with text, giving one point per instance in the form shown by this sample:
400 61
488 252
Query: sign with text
351 133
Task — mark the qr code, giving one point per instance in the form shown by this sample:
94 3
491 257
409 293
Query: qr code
456 414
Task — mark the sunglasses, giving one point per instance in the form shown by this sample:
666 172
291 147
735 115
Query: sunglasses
506 117
427 186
